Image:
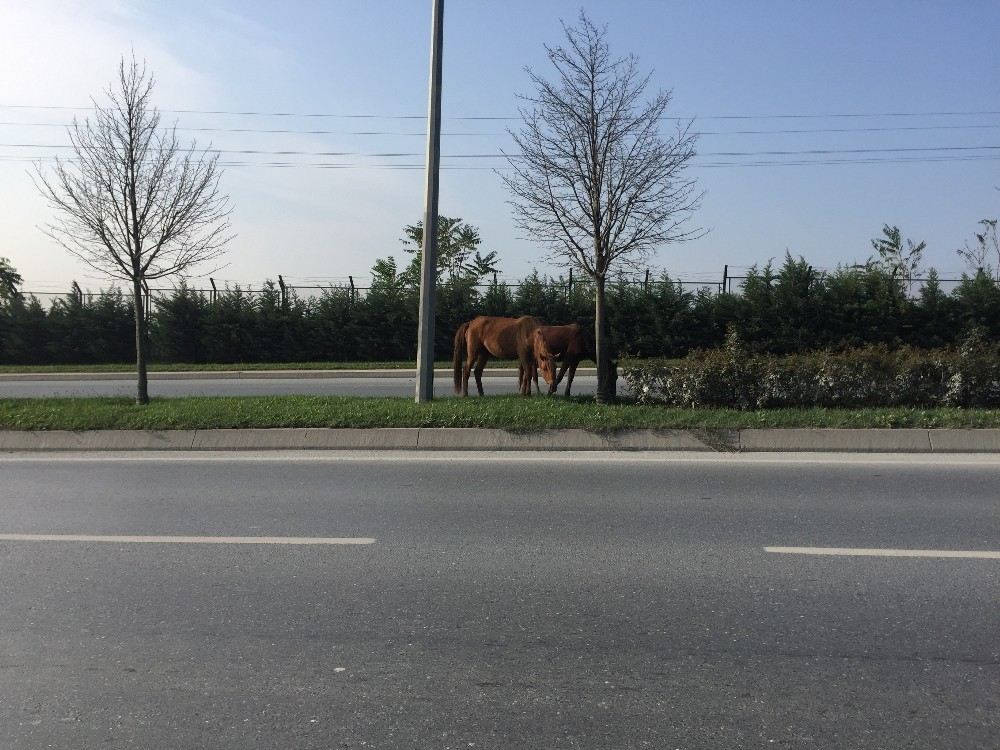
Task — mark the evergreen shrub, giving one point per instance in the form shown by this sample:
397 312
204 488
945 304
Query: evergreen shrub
868 376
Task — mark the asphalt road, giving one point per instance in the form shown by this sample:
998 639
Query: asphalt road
250 386
498 601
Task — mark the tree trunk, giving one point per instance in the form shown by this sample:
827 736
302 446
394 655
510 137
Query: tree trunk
606 371
142 387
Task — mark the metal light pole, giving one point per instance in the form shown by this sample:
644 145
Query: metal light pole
428 261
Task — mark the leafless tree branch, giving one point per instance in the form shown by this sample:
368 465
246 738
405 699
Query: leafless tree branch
592 178
133 203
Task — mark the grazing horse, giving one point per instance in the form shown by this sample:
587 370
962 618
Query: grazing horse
569 344
486 336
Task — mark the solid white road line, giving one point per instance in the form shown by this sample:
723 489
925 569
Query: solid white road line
970 460
126 539
862 552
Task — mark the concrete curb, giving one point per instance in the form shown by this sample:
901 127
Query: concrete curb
472 439
15 377
854 440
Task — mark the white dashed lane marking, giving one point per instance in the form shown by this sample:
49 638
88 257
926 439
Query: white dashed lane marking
875 552
126 539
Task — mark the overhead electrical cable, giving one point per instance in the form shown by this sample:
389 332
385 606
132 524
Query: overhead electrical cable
784 131
408 154
420 166
254 113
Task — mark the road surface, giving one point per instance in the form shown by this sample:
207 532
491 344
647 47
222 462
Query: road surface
247 385
499 601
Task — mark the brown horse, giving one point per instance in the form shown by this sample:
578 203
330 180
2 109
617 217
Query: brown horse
487 336
569 344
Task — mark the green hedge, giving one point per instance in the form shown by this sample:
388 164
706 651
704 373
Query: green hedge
793 308
734 377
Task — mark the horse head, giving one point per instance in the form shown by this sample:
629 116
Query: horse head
545 358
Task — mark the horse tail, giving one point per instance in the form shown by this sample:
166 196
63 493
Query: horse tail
459 355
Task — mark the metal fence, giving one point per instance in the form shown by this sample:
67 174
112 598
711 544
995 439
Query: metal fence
306 291
729 284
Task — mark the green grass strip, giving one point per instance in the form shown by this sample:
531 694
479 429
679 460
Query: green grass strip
507 412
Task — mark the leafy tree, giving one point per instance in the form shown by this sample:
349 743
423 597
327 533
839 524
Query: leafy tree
539 296
933 315
229 327
90 329
672 314
861 305
278 325
335 330
483 265
389 313
458 253
984 253
10 282
26 334
498 300
178 327
708 329
132 203
592 178
388 279
902 262
758 320
799 313
632 319
457 302
978 299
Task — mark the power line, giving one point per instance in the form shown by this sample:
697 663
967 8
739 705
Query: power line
408 167
783 131
409 154
254 113
283 131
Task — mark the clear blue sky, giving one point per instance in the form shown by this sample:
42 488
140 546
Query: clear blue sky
754 61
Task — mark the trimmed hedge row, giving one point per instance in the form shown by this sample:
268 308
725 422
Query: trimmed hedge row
793 308
968 376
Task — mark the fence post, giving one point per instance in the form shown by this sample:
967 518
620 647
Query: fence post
215 291
284 293
569 286
725 279
645 284
353 290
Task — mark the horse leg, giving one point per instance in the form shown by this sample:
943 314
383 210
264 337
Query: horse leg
530 374
466 371
569 376
524 379
562 371
481 361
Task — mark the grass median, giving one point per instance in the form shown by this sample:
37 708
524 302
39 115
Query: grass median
505 412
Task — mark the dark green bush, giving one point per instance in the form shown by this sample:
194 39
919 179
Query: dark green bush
791 309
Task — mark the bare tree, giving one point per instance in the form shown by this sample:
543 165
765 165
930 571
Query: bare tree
132 202
593 179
